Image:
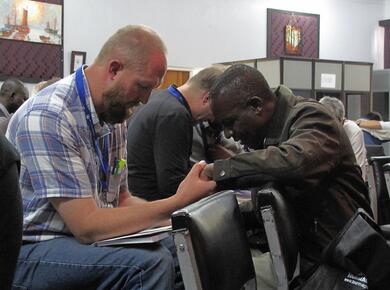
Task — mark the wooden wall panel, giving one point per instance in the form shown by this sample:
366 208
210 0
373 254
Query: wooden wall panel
177 77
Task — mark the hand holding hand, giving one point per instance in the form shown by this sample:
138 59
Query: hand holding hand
207 172
195 186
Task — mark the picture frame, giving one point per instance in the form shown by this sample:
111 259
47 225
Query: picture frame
34 34
31 21
292 33
77 59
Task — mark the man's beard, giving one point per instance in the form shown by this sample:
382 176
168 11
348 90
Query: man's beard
114 110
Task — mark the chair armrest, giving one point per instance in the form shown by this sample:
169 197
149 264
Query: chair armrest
386 231
386 167
378 158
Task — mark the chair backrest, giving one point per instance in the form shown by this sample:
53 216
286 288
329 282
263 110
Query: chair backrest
11 213
281 230
379 196
212 245
374 150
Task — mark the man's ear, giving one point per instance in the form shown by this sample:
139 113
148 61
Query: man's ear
205 97
114 67
255 103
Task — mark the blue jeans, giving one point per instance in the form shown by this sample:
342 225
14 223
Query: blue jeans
64 263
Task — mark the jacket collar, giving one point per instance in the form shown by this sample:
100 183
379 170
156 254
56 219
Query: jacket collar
284 102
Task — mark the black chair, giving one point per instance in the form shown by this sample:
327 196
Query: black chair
374 150
281 230
379 195
11 213
212 246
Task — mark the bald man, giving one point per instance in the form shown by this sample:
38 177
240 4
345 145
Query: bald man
72 142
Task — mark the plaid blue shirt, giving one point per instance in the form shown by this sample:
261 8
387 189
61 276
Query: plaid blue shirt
58 158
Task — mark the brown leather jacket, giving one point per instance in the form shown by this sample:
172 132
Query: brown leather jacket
307 151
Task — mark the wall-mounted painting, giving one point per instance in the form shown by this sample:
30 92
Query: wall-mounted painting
31 39
291 33
31 21
293 39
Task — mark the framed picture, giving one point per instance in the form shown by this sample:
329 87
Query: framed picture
31 39
77 59
291 33
31 21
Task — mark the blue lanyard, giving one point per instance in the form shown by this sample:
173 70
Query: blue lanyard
103 158
175 92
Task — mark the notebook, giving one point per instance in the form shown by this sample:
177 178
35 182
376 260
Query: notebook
147 236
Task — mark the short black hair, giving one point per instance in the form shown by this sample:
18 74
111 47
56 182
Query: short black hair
239 83
373 116
10 86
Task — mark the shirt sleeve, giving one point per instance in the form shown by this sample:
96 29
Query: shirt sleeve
302 158
385 125
52 154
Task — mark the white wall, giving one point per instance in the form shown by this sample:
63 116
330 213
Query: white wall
201 32
387 9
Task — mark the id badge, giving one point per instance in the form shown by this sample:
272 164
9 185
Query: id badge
113 187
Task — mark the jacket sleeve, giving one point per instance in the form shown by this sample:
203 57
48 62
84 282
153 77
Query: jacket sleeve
310 150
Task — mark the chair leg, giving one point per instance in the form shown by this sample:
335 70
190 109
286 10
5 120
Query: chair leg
275 247
188 266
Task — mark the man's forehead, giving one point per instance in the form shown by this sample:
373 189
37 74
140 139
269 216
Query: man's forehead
224 109
153 81
155 70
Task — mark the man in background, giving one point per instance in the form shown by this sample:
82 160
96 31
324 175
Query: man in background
376 131
160 135
12 95
354 133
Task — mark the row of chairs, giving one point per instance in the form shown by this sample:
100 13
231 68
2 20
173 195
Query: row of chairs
212 244
211 241
379 184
